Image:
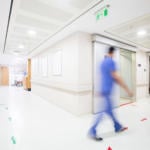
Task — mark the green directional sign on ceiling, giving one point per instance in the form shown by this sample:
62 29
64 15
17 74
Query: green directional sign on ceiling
102 13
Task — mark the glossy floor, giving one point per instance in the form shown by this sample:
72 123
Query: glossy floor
28 122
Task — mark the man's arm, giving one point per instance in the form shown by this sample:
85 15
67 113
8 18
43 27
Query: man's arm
119 80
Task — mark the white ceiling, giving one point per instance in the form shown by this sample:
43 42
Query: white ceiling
48 19
4 15
118 14
130 30
44 17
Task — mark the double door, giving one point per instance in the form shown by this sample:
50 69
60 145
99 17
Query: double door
125 61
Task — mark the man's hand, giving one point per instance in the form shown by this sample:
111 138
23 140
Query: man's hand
119 80
130 93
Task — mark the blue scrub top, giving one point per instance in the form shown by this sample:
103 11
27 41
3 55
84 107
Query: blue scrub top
107 81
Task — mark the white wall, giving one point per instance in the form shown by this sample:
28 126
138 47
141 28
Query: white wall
72 89
142 74
0 76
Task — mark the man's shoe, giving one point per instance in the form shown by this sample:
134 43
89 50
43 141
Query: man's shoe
92 134
96 138
121 129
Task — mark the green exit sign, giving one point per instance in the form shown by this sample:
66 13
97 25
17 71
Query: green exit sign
102 13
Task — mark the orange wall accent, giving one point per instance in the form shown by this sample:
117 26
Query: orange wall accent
26 80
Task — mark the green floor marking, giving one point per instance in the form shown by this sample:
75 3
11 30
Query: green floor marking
13 140
10 119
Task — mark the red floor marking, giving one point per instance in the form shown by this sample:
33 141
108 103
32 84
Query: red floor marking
126 104
143 119
109 148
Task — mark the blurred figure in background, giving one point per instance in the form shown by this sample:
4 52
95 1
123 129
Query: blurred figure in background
109 77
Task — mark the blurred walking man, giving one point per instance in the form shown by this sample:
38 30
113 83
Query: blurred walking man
109 76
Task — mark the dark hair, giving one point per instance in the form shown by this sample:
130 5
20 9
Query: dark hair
111 50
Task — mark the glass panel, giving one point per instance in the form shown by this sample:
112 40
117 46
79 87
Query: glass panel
127 71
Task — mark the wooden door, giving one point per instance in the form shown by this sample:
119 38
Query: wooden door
5 76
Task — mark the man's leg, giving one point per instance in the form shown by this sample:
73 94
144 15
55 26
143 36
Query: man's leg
92 132
109 110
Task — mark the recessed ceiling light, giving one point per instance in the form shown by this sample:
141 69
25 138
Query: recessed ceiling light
21 46
141 33
31 32
16 52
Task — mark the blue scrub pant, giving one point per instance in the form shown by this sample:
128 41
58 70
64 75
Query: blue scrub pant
109 111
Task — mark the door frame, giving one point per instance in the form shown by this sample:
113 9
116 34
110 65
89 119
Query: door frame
109 42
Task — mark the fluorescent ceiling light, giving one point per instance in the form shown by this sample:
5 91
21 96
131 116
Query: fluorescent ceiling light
16 52
141 33
21 46
31 32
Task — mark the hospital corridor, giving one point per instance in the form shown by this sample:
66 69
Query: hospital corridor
74 75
